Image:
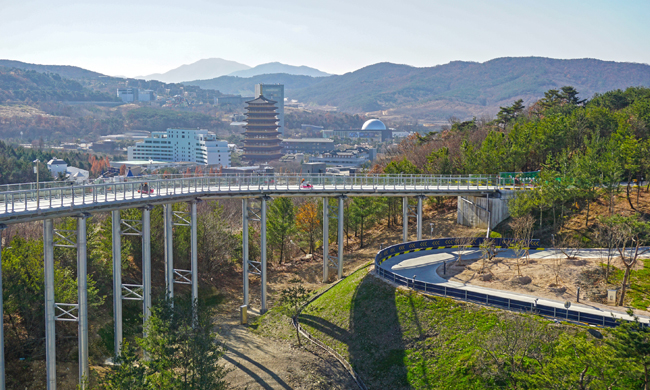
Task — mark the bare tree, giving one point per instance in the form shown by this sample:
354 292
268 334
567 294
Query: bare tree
519 249
463 244
627 233
489 251
523 233
569 245
605 239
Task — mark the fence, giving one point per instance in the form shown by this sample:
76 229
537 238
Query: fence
478 297
32 199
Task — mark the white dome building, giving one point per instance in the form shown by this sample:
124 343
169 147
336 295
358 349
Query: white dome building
372 130
373 124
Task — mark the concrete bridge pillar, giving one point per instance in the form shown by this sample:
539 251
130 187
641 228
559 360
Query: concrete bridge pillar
169 248
341 236
117 280
194 250
420 199
328 260
263 251
82 290
326 239
146 265
50 342
245 264
250 213
484 212
405 219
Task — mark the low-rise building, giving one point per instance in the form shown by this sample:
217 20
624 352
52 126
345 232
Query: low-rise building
306 145
132 95
347 158
146 95
314 168
107 146
249 170
372 130
177 145
231 100
56 166
128 95
77 174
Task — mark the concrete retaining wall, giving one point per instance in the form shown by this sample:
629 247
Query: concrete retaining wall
475 214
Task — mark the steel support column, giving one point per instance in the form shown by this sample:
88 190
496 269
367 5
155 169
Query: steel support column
146 264
326 239
194 253
263 251
169 249
50 342
405 219
117 280
82 289
420 198
245 248
2 333
341 237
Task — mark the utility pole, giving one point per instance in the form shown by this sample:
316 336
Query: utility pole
38 187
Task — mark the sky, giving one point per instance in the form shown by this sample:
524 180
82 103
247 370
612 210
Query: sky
140 37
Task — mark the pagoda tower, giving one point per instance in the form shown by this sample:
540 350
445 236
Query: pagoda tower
261 142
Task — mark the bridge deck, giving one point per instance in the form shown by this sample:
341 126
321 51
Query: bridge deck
26 205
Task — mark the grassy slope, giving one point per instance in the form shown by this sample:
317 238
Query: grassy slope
396 339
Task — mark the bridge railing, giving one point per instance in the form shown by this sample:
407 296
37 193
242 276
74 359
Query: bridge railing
71 195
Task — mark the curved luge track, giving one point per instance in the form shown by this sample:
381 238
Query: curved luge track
414 265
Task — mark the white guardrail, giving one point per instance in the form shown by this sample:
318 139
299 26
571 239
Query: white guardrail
51 196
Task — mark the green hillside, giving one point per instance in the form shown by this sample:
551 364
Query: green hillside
71 72
21 85
489 84
398 339
245 86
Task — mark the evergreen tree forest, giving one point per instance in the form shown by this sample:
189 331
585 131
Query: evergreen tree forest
17 164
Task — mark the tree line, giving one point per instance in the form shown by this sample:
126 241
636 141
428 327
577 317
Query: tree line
219 252
17 163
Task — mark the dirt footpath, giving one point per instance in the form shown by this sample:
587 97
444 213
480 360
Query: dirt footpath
264 363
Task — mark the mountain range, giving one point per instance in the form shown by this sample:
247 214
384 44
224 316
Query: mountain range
496 82
460 89
203 69
211 68
245 86
276 67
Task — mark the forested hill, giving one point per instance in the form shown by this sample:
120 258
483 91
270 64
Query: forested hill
17 84
67 71
467 88
245 86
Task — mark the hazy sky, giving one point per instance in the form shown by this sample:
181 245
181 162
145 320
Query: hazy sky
136 37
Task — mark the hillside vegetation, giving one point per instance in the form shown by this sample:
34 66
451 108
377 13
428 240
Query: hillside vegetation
276 67
398 339
480 85
67 71
22 85
245 86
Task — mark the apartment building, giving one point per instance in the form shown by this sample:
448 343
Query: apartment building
176 145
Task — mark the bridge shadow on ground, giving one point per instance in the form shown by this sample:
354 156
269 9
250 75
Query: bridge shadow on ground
260 381
374 341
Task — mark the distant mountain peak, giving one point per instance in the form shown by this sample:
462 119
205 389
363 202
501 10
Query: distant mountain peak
207 68
278 67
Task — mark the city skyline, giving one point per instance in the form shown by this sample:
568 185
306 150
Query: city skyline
120 38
